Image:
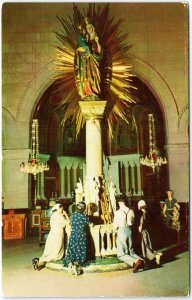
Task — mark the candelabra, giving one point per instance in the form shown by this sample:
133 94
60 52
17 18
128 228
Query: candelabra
152 160
34 165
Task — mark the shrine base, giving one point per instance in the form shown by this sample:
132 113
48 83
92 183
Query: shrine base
99 265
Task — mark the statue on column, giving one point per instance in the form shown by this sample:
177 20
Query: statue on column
94 83
92 47
87 62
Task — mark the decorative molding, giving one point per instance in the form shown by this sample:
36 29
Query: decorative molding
68 161
34 90
161 91
155 81
7 115
183 118
92 109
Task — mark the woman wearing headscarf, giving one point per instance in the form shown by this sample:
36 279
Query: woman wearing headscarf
54 246
77 250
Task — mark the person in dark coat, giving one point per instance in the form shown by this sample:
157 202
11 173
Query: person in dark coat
147 249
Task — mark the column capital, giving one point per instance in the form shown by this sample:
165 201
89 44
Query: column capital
75 164
68 161
61 162
44 157
92 109
69 166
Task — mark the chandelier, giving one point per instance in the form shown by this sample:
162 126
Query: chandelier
34 165
152 160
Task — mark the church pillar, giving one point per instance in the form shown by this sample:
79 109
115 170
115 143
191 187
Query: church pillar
133 176
38 186
81 172
41 179
75 179
62 183
69 181
62 177
126 178
93 112
178 164
13 178
139 178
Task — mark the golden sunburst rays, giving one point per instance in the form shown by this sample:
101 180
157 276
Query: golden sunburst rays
120 83
66 86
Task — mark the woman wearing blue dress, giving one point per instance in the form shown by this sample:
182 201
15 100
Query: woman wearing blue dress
77 250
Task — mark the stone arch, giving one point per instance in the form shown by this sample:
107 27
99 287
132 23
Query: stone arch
183 122
162 92
8 120
145 72
7 116
34 91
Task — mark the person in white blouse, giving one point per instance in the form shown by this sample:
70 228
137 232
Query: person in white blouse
54 246
123 221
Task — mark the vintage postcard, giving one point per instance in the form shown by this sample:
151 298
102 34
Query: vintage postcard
95 149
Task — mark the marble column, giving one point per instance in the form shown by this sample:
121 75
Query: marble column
15 184
133 175
178 165
139 178
71 164
37 187
41 179
62 178
126 178
69 181
81 172
62 183
93 112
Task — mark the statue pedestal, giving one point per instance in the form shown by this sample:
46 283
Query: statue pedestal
93 113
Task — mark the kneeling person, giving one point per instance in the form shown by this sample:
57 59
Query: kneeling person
123 221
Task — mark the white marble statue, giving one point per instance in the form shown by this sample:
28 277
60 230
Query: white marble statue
112 193
94 190
79 191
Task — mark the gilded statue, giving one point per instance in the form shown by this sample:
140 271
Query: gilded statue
94 64
88 57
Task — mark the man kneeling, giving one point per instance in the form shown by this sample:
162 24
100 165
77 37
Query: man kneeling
123 221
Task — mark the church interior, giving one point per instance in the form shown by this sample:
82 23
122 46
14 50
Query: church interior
142 151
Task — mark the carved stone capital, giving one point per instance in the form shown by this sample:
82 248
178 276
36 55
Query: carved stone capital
92 109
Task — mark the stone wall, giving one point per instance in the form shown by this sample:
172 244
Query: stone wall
158 34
